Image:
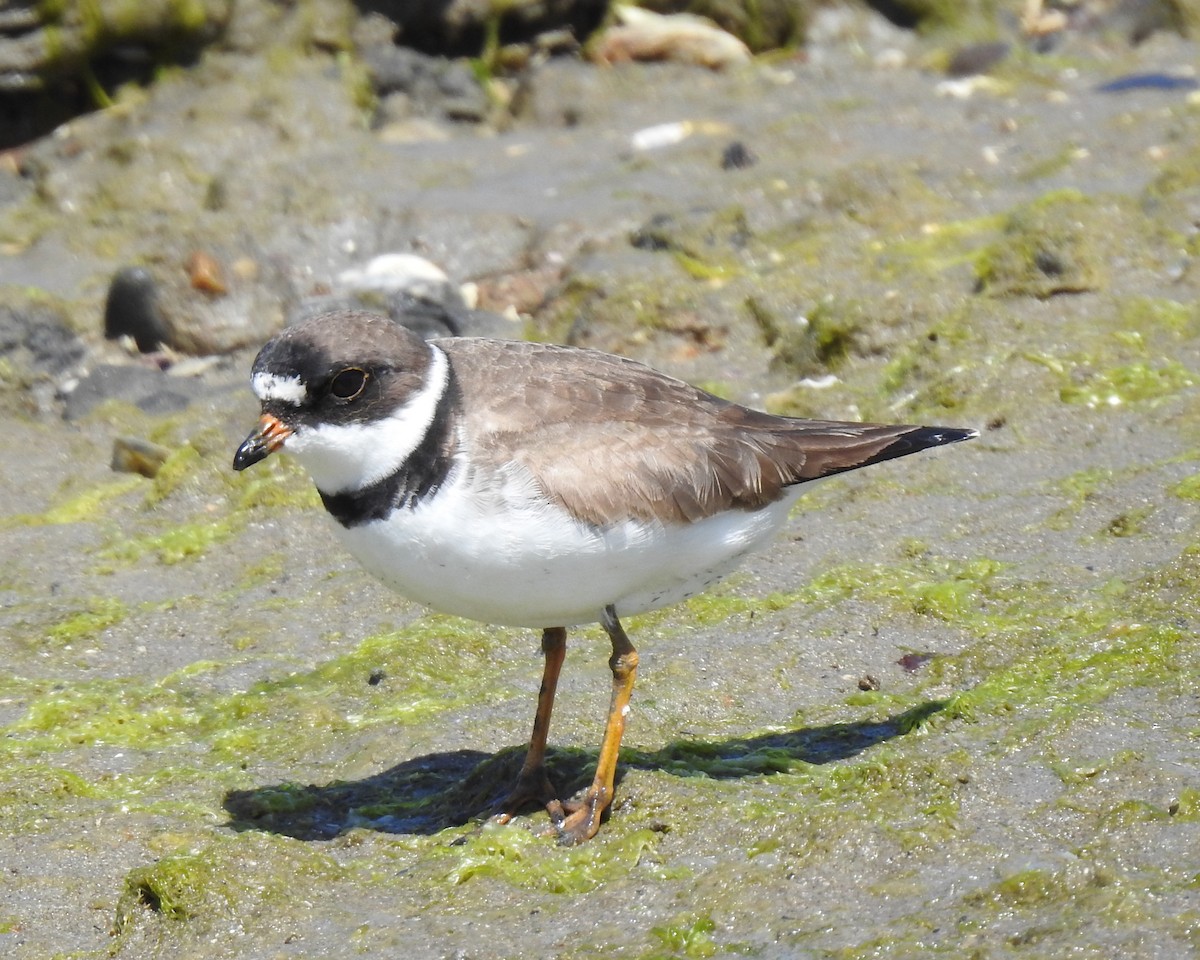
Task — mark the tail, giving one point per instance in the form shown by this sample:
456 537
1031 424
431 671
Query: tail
917 439
824 448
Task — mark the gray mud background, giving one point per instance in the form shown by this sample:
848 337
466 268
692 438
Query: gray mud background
952 712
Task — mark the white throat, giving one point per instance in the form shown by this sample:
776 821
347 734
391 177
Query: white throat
346 457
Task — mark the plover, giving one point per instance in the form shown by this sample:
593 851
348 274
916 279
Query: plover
540 486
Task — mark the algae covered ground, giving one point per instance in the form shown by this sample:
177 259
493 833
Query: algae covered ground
952 712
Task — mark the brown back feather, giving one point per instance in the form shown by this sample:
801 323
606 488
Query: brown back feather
609 438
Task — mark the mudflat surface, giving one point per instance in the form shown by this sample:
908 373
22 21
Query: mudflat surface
953 710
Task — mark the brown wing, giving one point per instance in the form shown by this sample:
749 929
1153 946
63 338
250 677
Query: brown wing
609 438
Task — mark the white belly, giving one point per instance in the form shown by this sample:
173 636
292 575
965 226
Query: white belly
506 556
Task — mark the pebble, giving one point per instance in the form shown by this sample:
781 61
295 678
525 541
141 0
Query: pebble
1149 81
134 455
426 85
668 134
737 156
681 37
977 58
205 274
394 271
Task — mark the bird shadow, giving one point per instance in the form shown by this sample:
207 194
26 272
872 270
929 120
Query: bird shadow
430 793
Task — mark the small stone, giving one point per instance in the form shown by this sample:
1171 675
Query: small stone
912 662
737 156
205 274
134 455
684 38
976 58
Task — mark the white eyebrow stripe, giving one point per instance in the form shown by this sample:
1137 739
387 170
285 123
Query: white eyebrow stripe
269 386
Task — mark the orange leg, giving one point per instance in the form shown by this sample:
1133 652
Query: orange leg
585 816
532 785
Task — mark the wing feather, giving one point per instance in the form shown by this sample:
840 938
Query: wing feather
609 438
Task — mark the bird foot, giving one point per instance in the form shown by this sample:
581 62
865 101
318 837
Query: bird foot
532 789
571 821
582 817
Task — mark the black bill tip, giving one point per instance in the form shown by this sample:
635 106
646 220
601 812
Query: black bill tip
264 441
254 448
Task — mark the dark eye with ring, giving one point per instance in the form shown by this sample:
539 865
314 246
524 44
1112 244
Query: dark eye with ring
348 384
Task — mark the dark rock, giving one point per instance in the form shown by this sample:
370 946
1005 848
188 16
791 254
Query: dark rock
132 310
57 59
1149 81
977 58
1139 19
431 85
148 389
462 27
36 339
737 156
429 318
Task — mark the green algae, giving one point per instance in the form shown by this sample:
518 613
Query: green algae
39 787
689 936
1128 523
1047 247
930 586
875 193
1179 173
898 792
218 877
1056 162
630 313
1083 484
522 859
188 541
1129 383
935 248
237 726
1144 314
223 503
195 478
80 507
101 613
109 712
435 665
699 269
1188 488
1140 381
709 246
1080 488
1187 806
1084 650
1082 889
831 331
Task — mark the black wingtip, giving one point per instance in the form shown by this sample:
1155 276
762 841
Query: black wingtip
916 439
923 437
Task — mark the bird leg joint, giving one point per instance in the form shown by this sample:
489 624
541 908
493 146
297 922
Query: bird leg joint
623 665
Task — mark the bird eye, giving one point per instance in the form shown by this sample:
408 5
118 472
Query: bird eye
348 384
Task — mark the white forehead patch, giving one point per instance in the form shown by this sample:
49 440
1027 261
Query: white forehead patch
269 386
